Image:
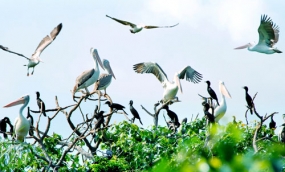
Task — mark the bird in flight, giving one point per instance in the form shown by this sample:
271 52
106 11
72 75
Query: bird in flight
35 59
137 28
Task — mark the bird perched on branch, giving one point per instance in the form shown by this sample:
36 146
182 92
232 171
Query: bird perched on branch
35 59
135 113
281 134
272 124
172 115
41 104
3 126
116 106
212 92
137 28
31 120
100 120
248 99
208 115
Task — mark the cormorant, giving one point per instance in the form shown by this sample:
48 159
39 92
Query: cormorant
208 115
31 119
172 115
116 106
212 92
134 112
3 126
248 99
41 104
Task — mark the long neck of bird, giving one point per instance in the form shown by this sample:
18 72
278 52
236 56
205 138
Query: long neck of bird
21 110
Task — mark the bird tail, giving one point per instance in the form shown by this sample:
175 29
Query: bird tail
141 121
125 112
44 113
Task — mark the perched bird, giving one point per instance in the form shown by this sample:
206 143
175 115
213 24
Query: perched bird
220 111
268 36
208 115
35 59
88 77
137 28
281 134
170 88
41 104
234 120
22 125
105 79
31 120
184 120
172 115
272 124
212 92
100 120
116 106
135 113
248 99
3 126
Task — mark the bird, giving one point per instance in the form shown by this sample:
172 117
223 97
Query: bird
137 28
31 120
172 115
88 77
212 92
105 79
220 111
3 126
268 37
281 134
208 115
170 88
100 120
272 124
35 59
41 104
248 99
22 125
116 106
134 112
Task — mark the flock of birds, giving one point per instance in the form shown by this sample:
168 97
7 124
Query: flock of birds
268 37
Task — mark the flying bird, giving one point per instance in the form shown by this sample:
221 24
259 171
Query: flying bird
212 92
41 104
220 111
135 113
105 79
137 28
116 106
22 124
3 126
88 77
35 59
248 99
268 37
170 88
172 115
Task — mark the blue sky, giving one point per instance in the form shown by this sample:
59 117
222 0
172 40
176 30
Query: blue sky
204 39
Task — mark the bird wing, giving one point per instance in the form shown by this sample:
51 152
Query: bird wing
48 39
268 31
224 90
7 49
81 79
104 80
122 21
153 27
150 67
190 74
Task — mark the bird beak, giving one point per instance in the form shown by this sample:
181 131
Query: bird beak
224 91
110 70
17 102
97 57
178 83
242 47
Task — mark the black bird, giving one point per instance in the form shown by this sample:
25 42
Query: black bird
172 115
3 126
184 120
100 120
282 134
248 99
272 124
115 106
212 92
41 104
31 119
208 115
134 112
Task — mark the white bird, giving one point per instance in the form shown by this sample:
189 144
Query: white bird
88 77
35 59
220 111
105 79
268 36
137 28
170 88
22 124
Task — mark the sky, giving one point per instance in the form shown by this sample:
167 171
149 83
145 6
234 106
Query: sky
205 39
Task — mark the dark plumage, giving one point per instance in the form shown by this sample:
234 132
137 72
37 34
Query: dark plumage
212 92
172 115
31 119
282 134
41 104
184 120
3 126
135 113
100 120
272 124
208 115
248 99
115 106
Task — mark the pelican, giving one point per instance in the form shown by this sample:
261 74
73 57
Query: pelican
35 59
22 124
220 111
268 36
170 88
105 79
88 77
137 28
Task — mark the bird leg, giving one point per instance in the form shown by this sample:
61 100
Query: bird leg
33 71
